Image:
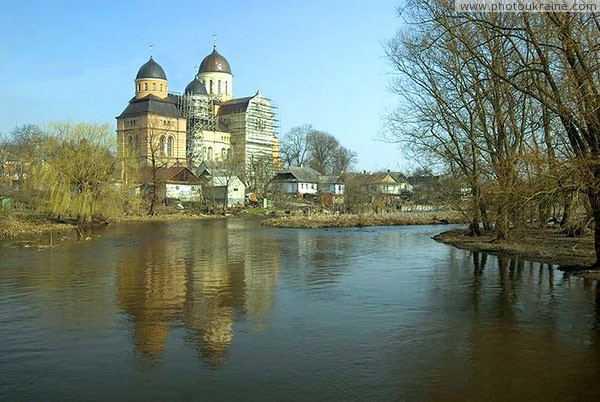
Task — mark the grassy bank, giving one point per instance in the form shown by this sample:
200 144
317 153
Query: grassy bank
24 224
544 245
359 220
29 224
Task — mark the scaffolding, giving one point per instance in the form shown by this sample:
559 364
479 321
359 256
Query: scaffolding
199 112
252 123
254 126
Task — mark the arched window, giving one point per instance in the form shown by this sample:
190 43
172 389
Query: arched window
226 89
170 142
161 87
223 154
219 87
209 155
162 145
139 87
211 87
154 86
203 153
228 153
145 86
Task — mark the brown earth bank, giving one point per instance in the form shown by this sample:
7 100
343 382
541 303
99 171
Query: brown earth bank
30 225
550 245
318 220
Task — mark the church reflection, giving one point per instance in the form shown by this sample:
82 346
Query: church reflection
204 278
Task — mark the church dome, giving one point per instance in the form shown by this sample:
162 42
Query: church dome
214 63
196 87
151 70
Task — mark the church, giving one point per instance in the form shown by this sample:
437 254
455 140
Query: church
204 123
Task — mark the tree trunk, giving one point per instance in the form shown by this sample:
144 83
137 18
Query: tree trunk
502 223
566 209
594 196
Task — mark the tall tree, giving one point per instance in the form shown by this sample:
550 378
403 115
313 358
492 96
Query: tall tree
305 145
551 60
294 145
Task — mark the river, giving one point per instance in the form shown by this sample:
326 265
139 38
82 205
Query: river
228 310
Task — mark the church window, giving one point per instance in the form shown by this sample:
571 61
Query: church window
170 142
219 87
226 89
211 87
162 145
145 86
229 154
161 87
139 87
223 154
209 155
154 86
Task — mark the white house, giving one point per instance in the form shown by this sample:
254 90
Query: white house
331 184
297 180
221 185
176 182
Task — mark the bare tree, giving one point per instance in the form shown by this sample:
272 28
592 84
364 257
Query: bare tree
305 145
294 145
322 147
344 160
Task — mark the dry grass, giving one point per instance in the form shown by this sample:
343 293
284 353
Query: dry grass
354 220
25 224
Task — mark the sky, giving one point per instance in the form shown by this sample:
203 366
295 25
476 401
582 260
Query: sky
322 62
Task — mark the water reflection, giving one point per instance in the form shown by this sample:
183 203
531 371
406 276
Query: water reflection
201 283
348 314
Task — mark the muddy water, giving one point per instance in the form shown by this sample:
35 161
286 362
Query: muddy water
229 310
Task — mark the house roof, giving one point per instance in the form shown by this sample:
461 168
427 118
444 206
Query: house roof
330 179
370 178
300 174
399 177
152 104
175 174
424 181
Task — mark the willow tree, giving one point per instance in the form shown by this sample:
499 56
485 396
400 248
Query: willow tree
76 179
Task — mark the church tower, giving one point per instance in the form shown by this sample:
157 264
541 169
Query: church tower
215 74
151 129
151 80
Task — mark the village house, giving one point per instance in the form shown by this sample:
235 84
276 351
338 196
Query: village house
388 183
174 183
302 181
221 185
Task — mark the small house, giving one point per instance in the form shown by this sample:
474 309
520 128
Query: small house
177 182
302 181
221 185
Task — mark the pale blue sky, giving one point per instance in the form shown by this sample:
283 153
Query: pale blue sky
322 62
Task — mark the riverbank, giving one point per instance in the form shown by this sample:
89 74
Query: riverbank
548 245
28 224
314 221
16 225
